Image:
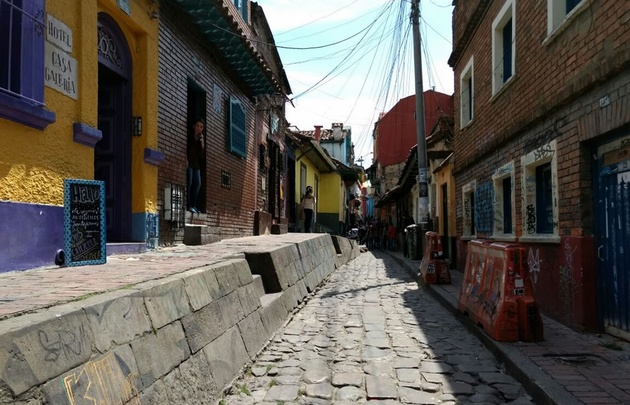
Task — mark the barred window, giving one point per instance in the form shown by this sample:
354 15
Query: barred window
22 63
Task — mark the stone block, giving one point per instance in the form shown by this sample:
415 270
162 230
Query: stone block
166 300
116 318
110 378
226 356
35 348
160 352
210 322
259 289
272 312
254 334
241 267
227 277
202 287
191 383
155 394
249 299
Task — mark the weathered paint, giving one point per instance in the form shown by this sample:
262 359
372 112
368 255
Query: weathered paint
34 163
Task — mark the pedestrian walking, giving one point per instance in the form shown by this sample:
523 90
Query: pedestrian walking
308 206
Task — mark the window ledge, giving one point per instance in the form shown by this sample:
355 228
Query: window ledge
468 124
565 22
25 113
540 238
85 134
153 157
468 237
496 95
504 238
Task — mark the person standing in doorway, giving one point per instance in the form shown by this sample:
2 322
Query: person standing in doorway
195 153
308 205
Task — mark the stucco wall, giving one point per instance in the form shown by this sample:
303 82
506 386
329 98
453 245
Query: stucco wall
34 162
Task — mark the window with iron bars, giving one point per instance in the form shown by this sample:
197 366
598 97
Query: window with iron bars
22 31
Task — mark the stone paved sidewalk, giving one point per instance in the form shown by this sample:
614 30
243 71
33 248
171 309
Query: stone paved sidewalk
567 367
371 335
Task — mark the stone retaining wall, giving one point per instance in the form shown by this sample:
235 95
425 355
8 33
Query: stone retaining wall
176 340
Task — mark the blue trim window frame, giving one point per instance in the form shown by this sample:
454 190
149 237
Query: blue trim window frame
22 31
238 134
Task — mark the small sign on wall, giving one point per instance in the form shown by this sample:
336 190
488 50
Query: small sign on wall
84 222
60 71
58 33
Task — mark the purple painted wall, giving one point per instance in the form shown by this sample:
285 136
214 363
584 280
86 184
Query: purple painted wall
30 235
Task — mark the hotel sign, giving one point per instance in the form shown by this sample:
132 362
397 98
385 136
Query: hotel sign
60 69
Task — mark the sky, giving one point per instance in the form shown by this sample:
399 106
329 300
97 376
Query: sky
348 61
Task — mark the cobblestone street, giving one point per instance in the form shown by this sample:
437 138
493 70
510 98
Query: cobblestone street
371 334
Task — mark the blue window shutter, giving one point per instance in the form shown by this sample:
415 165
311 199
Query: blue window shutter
238 141
507 50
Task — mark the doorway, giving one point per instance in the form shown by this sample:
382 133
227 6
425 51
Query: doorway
112 154
612 234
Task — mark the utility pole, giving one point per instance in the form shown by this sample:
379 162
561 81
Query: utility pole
423 184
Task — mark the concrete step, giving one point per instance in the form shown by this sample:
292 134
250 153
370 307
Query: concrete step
195 234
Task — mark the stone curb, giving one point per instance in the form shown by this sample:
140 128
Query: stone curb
541 386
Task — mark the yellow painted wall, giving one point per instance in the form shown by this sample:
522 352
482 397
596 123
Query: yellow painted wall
445 176
34 163
311 172
329 193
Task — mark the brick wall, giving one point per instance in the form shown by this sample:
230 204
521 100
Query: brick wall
549 72
184 55
554 95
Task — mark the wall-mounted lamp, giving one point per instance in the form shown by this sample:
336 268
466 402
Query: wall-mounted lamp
136 126
155 15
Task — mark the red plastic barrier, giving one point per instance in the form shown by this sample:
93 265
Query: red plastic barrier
497 292
433 268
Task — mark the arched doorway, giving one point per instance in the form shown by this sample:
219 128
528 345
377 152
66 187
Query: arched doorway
112 154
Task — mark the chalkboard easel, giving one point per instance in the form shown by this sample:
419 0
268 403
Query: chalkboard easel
84 222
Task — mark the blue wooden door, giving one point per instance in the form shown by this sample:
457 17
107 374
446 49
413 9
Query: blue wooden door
613 236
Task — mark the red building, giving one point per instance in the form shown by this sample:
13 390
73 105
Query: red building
395 132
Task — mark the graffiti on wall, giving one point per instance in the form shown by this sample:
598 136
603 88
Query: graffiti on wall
153 221
107 381
484 207
533 262
66 343
568 285
467 216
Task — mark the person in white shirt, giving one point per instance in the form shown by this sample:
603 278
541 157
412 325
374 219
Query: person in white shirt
308 205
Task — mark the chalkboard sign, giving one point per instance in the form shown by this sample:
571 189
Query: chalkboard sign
84 222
